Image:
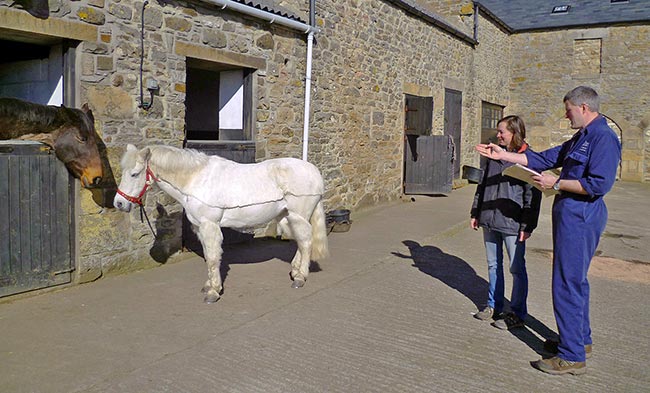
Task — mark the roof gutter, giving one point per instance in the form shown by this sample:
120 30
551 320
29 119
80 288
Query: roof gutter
264 15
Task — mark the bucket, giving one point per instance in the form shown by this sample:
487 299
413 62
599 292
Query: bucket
340 215
473 175
338 220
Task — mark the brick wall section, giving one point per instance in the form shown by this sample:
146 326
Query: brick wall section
545 66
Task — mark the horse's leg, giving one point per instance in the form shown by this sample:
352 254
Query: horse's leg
295 262
301 231
211 238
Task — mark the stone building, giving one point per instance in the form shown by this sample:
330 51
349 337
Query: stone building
150 69
559 45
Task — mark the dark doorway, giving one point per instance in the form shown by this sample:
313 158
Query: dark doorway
37 194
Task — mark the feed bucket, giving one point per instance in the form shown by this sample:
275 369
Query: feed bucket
339 220
473 175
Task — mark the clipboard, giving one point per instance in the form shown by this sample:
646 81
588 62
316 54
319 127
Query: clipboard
526 174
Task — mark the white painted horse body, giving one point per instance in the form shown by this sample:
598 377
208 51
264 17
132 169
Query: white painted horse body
216 193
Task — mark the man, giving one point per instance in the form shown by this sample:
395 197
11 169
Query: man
589 162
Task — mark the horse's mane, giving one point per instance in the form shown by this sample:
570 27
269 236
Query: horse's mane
177 160
19 117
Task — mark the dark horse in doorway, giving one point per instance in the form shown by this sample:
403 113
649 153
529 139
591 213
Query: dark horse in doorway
70 132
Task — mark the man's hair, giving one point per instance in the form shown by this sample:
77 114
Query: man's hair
515 125
583 95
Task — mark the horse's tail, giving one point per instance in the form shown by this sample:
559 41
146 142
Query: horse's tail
319 247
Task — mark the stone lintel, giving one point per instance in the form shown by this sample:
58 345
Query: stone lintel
22 26
219 56
454 84
417 90
586 34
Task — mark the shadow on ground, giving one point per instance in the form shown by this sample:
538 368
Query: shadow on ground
451 270
257 250
459 275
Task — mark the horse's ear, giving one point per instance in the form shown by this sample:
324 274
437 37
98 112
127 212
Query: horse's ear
131 147
144 154
86 109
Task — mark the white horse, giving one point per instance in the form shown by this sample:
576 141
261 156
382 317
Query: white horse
216 192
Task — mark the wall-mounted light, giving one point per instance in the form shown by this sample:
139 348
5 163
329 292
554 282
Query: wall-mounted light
152 87
152 84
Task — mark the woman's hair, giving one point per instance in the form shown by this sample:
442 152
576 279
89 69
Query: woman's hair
515 125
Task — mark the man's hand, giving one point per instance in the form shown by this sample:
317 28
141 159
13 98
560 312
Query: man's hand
545 181
491 150
496 152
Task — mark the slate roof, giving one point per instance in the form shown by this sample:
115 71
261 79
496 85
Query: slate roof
527 15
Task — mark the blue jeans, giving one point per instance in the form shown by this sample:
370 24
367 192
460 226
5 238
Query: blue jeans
494 242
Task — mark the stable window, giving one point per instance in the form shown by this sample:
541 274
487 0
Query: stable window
218 102
33 72
490 116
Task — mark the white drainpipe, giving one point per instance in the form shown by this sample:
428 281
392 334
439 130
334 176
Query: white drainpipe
292 24
305 130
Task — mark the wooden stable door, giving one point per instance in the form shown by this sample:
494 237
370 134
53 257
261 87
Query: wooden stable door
428 164
427 158
36 222
453 117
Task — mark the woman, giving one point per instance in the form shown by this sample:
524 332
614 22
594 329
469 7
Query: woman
507 209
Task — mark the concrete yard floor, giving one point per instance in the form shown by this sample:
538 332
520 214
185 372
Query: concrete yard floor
389 311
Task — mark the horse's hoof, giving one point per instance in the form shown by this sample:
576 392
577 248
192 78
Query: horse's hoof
209 299
298 284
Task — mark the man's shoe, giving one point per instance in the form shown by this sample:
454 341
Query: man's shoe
559 366
550 346
485 314
508 322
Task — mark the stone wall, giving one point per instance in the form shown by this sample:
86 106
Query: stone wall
614 60
108 71
368 55
109 83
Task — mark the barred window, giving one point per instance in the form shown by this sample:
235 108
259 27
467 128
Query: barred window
490 116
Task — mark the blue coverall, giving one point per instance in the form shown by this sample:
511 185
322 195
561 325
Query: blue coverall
591 157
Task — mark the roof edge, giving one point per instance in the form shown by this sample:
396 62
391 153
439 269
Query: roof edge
581 26
434 20
503 26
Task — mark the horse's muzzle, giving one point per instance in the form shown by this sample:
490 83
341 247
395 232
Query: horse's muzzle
90 184
124 206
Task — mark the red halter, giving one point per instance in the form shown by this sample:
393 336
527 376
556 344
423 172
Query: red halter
147 184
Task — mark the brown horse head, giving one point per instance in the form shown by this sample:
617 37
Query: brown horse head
69 131
76 146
